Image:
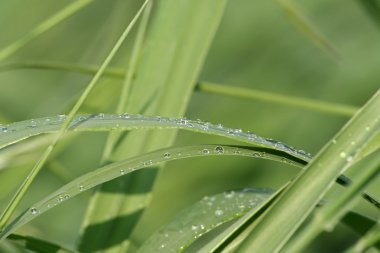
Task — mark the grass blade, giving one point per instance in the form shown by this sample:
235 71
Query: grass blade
202 217
328 216
43 27
292 208
37 167
174 50
18 131
238 231
122 168
213 88
38 245
305 103
296 14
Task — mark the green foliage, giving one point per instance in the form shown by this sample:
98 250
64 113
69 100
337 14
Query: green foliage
113 173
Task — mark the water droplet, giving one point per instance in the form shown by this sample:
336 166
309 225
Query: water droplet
34 210
61 198
122 172
229 194
167 155
147 163
349 158
343 154
353 143
219 212
219 126
194 228
100 115
162 246
237 131
205 151
367 128
219 150
126 116
81 188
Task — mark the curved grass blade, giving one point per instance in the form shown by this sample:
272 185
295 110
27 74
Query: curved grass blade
125 167
18 131
202 217
214 88
38 245
292 208
43 27
21 191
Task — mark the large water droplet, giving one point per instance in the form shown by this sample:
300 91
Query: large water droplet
219 150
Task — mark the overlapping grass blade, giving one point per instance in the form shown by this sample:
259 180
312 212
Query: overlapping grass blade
292 207
202 217
174 50
15 132
122 168
328 216
9 210
38 245
43 27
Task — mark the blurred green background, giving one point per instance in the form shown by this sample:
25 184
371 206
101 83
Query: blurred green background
257 46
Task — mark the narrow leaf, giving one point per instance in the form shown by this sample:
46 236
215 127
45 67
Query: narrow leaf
202 217
118 169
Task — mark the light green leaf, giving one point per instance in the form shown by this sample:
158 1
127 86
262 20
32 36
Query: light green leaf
122 168
202 217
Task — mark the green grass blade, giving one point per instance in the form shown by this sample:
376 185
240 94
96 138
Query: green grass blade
122 168
38 245
292 208
43 27
238 230
305 103
37 167
18 131
202 217
296 14
328 216
126 88
174 51
213 88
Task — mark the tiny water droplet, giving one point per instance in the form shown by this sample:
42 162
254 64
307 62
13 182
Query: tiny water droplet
122 172
349 159
81 188
34 210
162 246
219 150
205 151
167 155
219 126
194 228
367 128
229 194
343 154
219 212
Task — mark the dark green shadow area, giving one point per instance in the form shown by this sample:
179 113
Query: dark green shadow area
94 235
